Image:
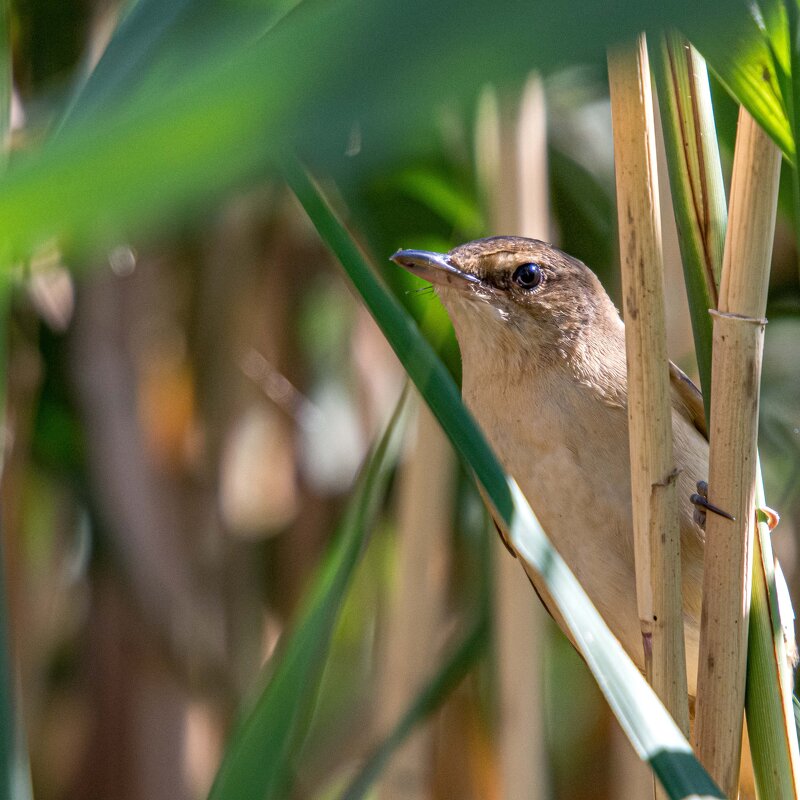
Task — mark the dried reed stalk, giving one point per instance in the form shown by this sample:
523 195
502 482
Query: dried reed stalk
653 473
425 512
738 340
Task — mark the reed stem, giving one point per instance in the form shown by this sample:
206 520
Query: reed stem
653 473
736 369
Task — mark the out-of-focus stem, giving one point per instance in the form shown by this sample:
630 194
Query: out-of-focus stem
512 160
425 513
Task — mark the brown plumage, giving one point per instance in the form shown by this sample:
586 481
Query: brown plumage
543 352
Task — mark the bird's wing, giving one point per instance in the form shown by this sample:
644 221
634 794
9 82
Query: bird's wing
687 399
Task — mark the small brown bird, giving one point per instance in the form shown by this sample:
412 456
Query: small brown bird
544 374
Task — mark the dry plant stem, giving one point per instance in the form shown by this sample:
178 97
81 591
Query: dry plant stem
653 485
512 159
425 510
738 340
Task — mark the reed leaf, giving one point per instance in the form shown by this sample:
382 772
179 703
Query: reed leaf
769 702
792 94
695 177
166 126
750 65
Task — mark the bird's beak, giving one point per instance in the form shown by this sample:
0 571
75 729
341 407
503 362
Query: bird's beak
433 267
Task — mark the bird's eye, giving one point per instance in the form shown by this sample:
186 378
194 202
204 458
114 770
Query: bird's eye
527 276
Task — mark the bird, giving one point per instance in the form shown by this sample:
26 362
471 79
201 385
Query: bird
544 374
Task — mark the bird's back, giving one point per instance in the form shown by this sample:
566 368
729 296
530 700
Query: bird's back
566 444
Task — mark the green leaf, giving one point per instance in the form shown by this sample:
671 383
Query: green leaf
192 99
449 675
793 97
258 760
695 177
751 65
770 715
648 725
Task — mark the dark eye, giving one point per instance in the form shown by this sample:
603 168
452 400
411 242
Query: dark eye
527 276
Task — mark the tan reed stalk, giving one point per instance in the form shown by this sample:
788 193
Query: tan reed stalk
736 368
425 512
653 473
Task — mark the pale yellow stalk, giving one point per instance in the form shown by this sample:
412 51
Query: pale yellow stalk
736 368
653 473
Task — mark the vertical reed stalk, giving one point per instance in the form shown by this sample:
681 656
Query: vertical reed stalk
425 506
512 159
653 485
701 215
738 340
695 176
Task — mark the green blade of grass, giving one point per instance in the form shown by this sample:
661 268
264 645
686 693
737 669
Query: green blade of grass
695 177
449 675
258 760
649 727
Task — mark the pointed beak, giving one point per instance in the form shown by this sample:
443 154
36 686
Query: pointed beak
433 267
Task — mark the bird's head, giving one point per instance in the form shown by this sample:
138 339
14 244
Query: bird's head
516 298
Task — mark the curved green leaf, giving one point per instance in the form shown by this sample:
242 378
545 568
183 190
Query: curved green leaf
750 61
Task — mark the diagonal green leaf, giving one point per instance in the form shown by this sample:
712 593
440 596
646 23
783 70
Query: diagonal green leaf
648 725
157 40
769 699
750 66
168 123
258 760
449 675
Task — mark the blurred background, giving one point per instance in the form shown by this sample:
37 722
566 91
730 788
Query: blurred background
186 413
